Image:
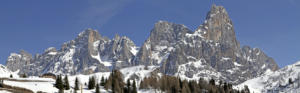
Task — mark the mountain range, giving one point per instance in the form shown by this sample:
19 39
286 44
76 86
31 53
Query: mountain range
211 51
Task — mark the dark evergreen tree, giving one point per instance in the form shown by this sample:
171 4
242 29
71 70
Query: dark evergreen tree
134 89
290 81
11 76
180 83
66 83
220 83
128 90
97 88
56 81
59 83
76 84
212 81
102 83
91 83
246 89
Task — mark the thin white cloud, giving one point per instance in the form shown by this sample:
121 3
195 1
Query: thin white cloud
100 12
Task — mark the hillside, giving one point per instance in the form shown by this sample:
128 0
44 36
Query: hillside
286 80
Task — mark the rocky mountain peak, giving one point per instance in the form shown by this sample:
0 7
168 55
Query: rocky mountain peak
25 53
16 61
89 35
117 37
88 39
216 11
168 27
218 27
165 33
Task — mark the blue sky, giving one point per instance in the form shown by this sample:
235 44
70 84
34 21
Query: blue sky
34 25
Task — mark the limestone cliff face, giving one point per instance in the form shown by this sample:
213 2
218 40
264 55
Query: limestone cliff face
88 53
214 46
16 61
162 39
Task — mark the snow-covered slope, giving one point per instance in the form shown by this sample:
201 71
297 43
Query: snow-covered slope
46 84
4 72
88 53
277 81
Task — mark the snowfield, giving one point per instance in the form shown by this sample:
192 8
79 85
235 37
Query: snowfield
3 91
4 72
277 81
46 84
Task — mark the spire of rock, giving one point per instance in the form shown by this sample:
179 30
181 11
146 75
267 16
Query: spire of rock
89 35
218 27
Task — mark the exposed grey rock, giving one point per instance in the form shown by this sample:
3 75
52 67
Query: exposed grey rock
216 44
86 54
16 61
162 39
120 51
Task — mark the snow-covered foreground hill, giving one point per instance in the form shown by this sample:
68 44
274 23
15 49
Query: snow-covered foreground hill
285 80
46 84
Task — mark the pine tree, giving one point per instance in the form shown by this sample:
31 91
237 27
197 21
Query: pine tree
134 89
180 83
97 88
113 82
56 81
247 90
128 86
212 82
67 85
11 76
290 81
59 83
102 83
76 84
91 83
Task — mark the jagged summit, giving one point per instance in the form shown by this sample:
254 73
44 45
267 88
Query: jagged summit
89 52
88 35
218 27
217 11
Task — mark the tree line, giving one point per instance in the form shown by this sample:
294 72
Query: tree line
114 83
168 84
171 84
